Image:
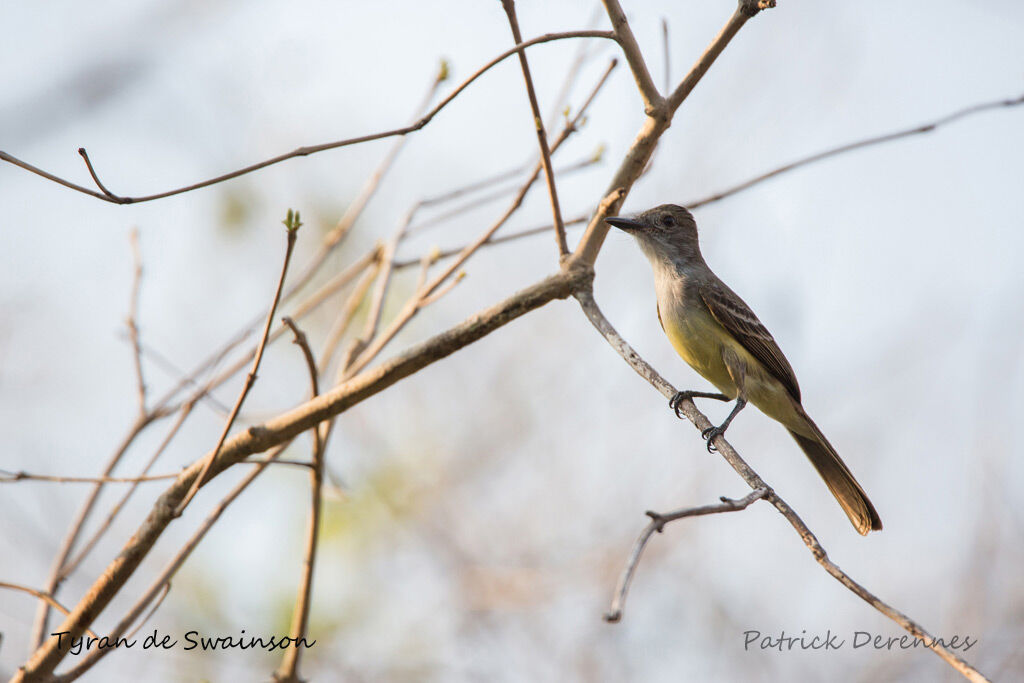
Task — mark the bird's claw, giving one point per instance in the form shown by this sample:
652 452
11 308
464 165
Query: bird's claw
674 402
709 435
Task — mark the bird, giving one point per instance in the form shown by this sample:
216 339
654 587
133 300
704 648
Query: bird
720 337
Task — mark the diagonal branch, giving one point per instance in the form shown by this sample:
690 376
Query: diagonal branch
659 117
288 672
653 101
133 320
687 407
744 10
45 597
538 124
292 225
860 144
283 429
107 196
657 523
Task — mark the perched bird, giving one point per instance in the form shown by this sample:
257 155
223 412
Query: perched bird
718 335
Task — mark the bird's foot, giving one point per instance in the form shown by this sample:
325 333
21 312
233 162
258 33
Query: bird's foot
709 435
681 396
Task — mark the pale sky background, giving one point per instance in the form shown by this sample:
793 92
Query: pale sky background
492 498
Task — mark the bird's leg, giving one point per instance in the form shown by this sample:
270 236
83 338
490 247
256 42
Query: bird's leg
738 372
681 396
711 432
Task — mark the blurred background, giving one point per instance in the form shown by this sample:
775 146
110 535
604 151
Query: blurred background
479 512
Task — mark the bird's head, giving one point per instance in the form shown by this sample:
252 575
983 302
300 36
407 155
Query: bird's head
664 232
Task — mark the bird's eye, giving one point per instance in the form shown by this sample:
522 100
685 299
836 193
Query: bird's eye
668 221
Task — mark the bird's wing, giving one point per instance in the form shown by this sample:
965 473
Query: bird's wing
736 317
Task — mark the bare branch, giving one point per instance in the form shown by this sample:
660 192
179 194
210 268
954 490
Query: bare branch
366 355
745 10
653 101
160 586
282 430
46 597
105 195
687 407
659 117
288 672
538 124
348 312
292 225
7 477
95 178
152 610
657 523
493 241
860 144
483 200
68 543
666 67
441 291
133 317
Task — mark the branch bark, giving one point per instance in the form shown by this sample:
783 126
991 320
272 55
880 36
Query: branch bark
108 196
701 422
44 660
659 116
538 125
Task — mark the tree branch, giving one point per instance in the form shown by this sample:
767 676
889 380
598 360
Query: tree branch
538 124
107 196
859 144
701 422
653 101
281 430
133 317
659 117
288 672
292 225
657 523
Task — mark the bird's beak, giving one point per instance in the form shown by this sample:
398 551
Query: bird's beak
627 224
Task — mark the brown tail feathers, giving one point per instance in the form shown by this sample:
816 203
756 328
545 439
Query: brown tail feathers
840 480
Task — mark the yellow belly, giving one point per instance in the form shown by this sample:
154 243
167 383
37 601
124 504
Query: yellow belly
700 340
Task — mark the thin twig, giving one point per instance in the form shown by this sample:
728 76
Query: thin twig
657 523
152 610
312 149
133 318
538 124
7 477
46 597
860 144
345 317
659 117
745 9
441 254
476 202
281 430
160 586
56 576
292 226
337 283
73 563
653 101
95 178
354 210
583 53
444 289
754 480
666 68
367 354
288 672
